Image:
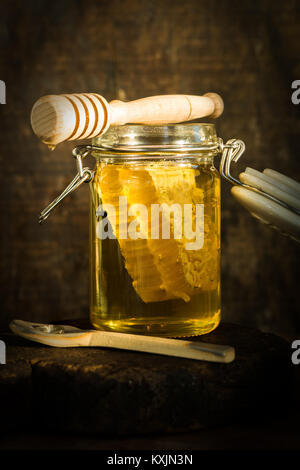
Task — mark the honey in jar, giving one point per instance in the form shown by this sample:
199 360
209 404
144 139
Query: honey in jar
155 230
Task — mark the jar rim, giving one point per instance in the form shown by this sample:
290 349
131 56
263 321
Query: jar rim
137 138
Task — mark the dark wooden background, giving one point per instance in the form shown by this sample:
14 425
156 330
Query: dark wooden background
248 51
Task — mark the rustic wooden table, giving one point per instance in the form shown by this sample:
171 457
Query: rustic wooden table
92 398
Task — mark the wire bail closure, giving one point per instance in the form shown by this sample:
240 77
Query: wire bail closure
231 152
84 175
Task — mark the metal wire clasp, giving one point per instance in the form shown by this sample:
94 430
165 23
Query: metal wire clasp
231 152
84 175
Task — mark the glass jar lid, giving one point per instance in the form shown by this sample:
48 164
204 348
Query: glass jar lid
168 138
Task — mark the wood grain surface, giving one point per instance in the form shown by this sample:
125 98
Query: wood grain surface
114 392
246 51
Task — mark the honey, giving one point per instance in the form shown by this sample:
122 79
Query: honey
155 245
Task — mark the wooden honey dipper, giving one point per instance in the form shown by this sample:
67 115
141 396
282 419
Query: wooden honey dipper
56 118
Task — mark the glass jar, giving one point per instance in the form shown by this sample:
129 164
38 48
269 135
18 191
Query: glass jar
155 230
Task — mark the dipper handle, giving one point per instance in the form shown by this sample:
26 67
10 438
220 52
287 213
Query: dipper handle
56 118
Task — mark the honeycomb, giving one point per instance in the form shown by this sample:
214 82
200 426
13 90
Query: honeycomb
161 268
